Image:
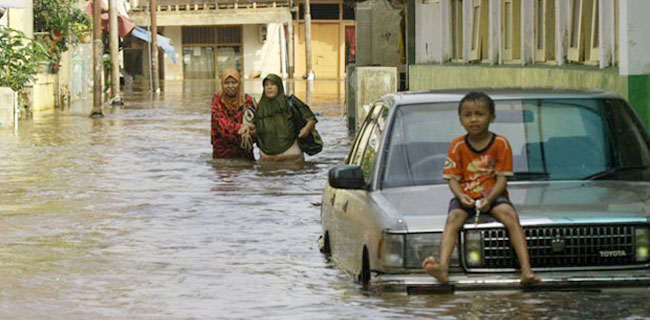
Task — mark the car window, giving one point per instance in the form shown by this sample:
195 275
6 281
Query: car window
566 138
362 140
551 140
370 155
632 149
418 143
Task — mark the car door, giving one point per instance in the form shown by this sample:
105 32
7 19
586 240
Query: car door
355 208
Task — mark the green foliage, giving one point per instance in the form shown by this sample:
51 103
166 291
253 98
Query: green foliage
62 22
19 58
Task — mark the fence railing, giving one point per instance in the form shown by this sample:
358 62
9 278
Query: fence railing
200 5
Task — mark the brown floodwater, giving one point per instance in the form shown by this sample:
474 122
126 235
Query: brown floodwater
128 217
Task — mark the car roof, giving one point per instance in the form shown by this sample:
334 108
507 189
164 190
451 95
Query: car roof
450 95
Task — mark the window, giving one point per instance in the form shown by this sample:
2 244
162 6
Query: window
544 30
480 30
511 30
456 29
366 154
583 32
361 142
208 50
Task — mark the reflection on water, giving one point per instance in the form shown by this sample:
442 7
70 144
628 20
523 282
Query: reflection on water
129 217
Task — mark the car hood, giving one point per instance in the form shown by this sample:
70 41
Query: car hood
424 208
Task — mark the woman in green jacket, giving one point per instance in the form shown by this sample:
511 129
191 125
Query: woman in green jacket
274 121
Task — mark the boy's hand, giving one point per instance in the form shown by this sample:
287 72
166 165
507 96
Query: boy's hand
485 206
466 201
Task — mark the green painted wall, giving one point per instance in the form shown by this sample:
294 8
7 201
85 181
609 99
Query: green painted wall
639 96
634 88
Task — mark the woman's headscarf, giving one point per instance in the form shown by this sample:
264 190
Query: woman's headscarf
277 103
234 102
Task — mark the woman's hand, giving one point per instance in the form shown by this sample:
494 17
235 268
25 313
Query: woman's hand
306 130
247 129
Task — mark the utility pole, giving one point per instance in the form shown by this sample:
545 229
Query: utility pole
97 60
290 42
154 46
290 64
309 72
114 47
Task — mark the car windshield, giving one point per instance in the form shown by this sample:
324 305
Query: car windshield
571 139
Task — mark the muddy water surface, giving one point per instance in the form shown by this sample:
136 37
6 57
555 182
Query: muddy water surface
129 217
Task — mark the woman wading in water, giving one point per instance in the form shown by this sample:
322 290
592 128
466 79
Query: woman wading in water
277 136
231 108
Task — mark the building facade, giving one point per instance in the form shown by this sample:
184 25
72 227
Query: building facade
579 44
211 36
252 36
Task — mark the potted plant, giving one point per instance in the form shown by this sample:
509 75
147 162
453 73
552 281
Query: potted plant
60 24
19 60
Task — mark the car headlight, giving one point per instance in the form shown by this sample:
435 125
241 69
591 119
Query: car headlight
421 245
642 242
393 250
473 248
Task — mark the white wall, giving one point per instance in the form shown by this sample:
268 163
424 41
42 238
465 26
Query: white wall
22 19
174 71
634 41
262 57
428 32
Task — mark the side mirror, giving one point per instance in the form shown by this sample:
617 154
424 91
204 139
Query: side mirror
346 177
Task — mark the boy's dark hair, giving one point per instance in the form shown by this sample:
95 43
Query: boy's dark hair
477 96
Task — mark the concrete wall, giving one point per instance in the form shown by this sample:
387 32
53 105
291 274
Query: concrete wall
263 57
22 19
369 84
43 94
634 88
427 46
378 34
81 74
174 71
7 100
635 43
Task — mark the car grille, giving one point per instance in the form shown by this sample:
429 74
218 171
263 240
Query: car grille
563 247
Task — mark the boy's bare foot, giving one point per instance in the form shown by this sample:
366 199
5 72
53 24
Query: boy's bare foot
434 269
529 278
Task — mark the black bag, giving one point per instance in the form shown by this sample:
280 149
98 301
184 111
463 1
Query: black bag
313 143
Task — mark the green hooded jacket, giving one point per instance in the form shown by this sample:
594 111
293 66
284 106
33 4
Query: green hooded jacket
274 120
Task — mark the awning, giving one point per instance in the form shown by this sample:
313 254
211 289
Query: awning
124 26
162 41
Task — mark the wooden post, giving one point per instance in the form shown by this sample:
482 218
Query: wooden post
154 46
290 42
309 72
97 60
114 48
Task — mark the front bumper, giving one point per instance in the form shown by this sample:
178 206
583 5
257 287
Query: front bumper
423 283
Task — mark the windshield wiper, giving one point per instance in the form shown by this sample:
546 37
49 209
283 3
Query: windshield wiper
531 175
614 170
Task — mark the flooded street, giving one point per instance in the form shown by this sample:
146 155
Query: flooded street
128 217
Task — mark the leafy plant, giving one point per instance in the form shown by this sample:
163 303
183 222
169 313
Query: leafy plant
62 22
19 58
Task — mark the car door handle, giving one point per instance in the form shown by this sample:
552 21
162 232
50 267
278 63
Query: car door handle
332 199
345 206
